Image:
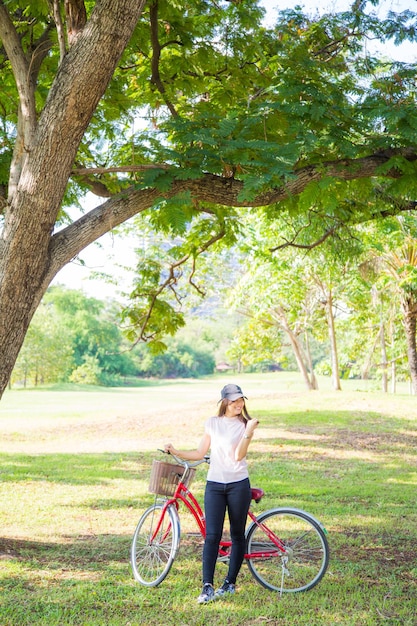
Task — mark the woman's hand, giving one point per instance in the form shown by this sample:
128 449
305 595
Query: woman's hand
250 427
243 445
169 448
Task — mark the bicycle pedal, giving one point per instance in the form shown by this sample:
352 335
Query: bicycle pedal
223 559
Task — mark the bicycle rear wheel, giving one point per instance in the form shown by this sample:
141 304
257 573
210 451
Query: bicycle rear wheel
306 551
152 556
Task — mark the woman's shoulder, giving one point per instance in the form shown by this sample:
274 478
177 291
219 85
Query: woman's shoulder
212 422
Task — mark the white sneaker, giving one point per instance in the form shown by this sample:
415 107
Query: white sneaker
227 589
207 594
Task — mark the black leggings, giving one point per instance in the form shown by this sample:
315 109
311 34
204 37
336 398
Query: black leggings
235 497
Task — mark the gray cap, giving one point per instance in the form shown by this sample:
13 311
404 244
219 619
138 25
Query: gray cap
231 392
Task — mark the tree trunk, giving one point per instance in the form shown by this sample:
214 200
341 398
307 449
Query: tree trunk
384 361
298 354
393 364
313 378
28 258
368 362
297 350
410 323
279 315
333 344
393 376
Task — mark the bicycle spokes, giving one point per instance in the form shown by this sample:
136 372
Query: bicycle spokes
299 562
155 544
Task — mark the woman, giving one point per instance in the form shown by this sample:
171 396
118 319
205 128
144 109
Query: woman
228 436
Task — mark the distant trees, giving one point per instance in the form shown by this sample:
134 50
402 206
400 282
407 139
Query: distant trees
355 296
394 260
47 354
75 338
179 361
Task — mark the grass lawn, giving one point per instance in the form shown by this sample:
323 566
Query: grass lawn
74 469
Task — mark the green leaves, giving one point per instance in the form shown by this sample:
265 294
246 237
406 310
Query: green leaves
170 277
250 103
204 88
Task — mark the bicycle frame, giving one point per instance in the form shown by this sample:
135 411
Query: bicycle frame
184 495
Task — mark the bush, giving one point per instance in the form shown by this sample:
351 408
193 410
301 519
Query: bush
89 373
179 361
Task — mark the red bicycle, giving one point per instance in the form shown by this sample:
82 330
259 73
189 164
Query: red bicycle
286 548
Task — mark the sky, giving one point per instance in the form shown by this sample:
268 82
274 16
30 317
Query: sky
106 255
326 6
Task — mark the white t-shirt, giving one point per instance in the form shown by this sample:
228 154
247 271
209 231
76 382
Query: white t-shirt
225 434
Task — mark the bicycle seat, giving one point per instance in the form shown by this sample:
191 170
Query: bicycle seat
257 494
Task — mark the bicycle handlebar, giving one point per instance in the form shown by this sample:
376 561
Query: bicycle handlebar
185 463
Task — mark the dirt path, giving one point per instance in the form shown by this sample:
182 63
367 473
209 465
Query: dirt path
146 418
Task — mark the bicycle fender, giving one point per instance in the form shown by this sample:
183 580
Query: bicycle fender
174 510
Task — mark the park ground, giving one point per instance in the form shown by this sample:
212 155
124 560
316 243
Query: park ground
75 466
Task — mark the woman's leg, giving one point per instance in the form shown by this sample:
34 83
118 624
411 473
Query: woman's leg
214 511
238 501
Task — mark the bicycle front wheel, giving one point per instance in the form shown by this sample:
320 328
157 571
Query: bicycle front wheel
305 556
155 544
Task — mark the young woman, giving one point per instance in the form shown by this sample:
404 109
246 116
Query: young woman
228 436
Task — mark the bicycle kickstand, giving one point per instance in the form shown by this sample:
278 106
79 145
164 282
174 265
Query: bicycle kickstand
285 572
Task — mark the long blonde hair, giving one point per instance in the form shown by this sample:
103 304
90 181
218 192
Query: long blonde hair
244 416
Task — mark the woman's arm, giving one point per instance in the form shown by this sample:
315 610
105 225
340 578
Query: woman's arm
191 455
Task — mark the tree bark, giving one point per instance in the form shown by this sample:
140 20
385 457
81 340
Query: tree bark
368 361
393 363
298 353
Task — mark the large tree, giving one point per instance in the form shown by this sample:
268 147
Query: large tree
236 116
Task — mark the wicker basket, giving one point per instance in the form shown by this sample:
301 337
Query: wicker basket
166 476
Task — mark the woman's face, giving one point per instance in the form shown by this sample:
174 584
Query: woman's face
235 407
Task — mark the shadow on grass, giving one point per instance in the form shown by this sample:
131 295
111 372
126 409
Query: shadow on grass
80 582
94 553
342 429
369 549
74 469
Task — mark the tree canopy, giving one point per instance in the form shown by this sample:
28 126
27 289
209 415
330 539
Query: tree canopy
197 114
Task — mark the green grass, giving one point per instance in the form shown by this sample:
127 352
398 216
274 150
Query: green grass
74 470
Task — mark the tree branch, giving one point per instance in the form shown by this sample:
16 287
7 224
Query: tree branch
308 246
76 19
82 171
172 280
59 28
40 50
345 169
97 187
27 109
156 55
211 189
18 62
